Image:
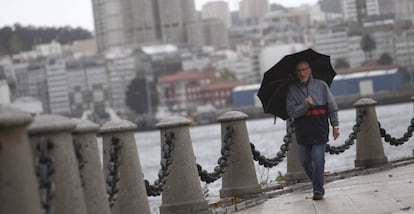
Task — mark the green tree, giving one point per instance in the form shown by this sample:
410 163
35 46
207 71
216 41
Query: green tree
15 45
368 45
227 75
385 59
16 38
341 63
6 34
136 96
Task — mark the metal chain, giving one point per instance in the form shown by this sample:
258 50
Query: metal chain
400 141
351 138
222 162
45 167
81 160
113 173
284 148
166 161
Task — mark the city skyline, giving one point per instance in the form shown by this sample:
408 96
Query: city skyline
44 15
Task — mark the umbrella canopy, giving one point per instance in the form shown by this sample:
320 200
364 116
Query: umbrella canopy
273 89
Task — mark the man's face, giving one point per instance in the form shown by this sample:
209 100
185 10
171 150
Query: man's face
303 71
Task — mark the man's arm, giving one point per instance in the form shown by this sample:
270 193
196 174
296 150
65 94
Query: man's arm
294 108
333 113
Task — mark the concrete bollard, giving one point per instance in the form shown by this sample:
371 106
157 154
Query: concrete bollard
86 146
295 172
369 151
182 192
131 196
19 192
51 135
239 178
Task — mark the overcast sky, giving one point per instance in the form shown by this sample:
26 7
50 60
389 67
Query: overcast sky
75 12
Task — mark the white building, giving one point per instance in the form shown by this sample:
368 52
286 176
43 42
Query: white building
357 10
31 82
122 71
51 49
4 91
356 56
88 84
333 42
241 68
404 49
270 55
57 85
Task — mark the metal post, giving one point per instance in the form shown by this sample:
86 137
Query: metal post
239 178
19 192
369 151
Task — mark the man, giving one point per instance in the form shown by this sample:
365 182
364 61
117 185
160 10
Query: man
310 103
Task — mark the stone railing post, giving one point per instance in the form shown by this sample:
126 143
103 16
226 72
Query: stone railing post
295 172
86 148
132 195
19 192
369 151
51 138
239 178
182 191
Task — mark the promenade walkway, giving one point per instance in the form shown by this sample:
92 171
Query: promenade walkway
389 191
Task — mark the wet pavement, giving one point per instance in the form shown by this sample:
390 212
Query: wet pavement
389 191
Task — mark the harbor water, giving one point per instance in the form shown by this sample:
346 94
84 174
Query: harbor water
267 138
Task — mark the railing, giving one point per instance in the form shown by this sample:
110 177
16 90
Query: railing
53 166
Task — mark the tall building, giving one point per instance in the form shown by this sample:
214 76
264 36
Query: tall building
57 87
253 8
174 16
109 27
219 10
358 10
129 22
209 32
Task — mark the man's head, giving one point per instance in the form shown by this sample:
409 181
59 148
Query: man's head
303 71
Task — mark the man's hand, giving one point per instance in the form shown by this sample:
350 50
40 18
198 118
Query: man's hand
308 101
335 133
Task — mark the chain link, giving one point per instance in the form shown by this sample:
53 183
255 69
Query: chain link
351 138
284 148
210 177
112 179
166 161
45 167
400 141
80 158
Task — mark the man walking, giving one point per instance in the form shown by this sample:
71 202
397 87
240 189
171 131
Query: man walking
310 103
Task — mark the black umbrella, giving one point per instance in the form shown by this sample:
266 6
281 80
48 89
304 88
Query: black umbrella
274 86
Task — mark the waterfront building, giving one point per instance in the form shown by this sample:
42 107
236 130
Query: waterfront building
404 49
358 10
121 71
88 84
31 82
57 86
181 92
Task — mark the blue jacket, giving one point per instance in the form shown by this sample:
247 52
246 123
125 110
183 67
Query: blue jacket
311 124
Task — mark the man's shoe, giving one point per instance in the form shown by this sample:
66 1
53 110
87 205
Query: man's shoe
317 196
